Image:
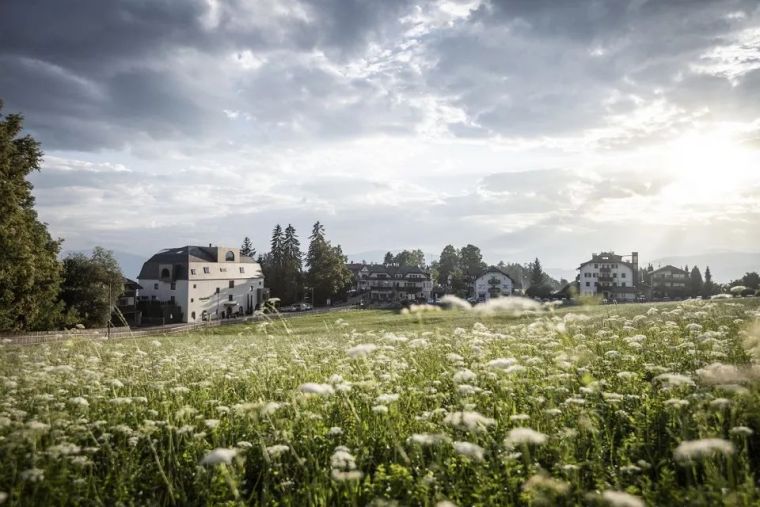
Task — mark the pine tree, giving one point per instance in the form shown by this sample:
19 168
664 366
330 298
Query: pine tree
328 275
292 266
695 282
708 288
247 249
537 280
273 267
30 274
388 259
448 265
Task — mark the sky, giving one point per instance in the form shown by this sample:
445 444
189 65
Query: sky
526 127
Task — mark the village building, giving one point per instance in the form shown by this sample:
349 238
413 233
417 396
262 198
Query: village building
194 283
493 282
668 282
608 276
387 283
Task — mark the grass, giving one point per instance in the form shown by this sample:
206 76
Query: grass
629 404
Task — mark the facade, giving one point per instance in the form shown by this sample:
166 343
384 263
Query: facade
387 283
202 282
493 282
127 304
668 281
608 276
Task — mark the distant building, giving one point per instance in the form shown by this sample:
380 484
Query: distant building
668 281
607 275
390 283
193 283
493 282
127 304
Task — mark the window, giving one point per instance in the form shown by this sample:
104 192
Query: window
622 284
242 269
622 275
192 271
588 284
206 269
223 270
229 298
229 256
165 273
195 286
171 299
192 300
173 286
596 266
614 275
153 298
155 286
192 315
232 284
217 290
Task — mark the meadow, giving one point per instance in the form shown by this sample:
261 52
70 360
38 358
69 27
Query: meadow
623 405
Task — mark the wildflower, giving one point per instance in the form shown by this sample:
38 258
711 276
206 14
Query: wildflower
622 499
428 439
502 363
335 431
361 350
244 444
691 450
718 373
318 389
270 408
454 358
544 483
741 430
79 401
470 450
3 497
469 421
33 475
674 380
211 423
522 436
346 475
219 456
275 451
380 409
384 399
519 417
464 375
720 403
445 503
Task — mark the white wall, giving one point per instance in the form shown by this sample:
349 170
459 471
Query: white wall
482 286
589 276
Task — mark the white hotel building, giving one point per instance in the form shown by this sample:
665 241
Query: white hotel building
204 282
609 276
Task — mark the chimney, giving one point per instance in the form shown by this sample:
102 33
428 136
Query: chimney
635 262
209 245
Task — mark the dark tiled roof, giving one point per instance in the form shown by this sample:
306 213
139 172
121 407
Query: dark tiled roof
671 268
388 269
494 269
182 256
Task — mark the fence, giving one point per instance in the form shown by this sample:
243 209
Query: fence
37 337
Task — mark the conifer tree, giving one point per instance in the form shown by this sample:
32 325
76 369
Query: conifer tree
328 275
247 249
30 273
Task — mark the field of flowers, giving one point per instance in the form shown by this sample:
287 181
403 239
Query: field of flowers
615 405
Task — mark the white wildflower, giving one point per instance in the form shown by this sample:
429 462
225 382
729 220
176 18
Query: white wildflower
469 421
622 499
520 436
470 450
695 449
318 389
219 456
361 350
275 451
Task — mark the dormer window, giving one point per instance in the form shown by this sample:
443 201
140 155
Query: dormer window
229 256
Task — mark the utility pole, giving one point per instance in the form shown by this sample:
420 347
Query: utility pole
108 326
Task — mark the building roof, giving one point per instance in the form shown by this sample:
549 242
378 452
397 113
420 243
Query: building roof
606 257
670 267
183 256
389 269
494 269
130 284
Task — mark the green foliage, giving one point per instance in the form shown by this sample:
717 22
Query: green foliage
695 285
537 280
406 258
448 266
471 263
328 275
30 273
91 286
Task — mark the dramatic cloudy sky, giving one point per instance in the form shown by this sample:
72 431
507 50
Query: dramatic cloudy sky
527 127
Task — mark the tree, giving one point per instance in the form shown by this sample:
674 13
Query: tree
272 265
91 286
751 280
388 259
328 275
408 258
695 282
247 248
708 288
536 279
470 264
448 266
292 266
30 273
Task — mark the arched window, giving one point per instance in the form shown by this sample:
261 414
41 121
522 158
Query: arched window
229 256
165 273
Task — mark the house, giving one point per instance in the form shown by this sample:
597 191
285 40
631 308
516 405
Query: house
128 313
609 276
668 281
493 282
385 283
194 283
